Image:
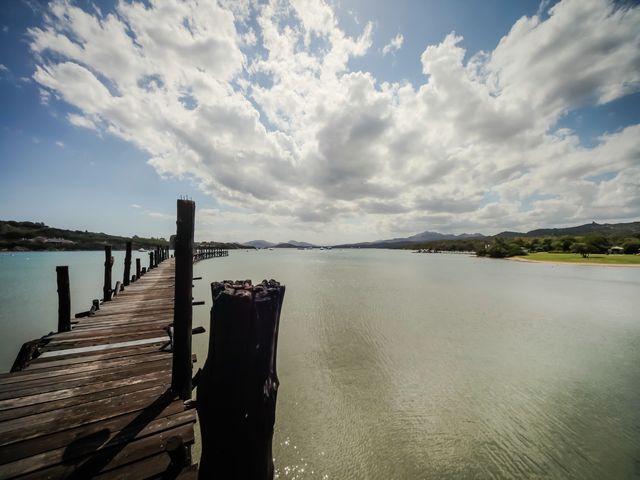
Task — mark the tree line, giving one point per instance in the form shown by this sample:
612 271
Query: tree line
501 247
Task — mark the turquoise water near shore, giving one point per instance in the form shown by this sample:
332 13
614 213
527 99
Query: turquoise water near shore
402 366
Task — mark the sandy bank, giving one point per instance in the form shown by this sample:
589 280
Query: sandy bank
560 262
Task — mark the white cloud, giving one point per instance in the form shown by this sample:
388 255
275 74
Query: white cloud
257 104
3 68
394 45
81 121
135 205
60 144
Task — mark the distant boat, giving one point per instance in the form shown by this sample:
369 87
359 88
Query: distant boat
141 250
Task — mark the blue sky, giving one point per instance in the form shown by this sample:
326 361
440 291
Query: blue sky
293 121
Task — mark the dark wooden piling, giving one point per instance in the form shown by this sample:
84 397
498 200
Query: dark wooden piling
117 289
108 264
151 265
182 316
127 266
64 299
237 389
138 272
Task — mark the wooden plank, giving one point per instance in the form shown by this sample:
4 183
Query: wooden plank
89 373
97 348
87 380
56 375
94 443
128 422
8 401
126 321
98 341
17 429
70 401
113 353
91 367
111 457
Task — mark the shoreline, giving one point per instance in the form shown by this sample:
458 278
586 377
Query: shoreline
560 262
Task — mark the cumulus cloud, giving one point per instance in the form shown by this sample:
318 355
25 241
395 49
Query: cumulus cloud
81 121
394 45
258 106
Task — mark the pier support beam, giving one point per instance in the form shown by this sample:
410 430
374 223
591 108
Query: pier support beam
127 266
64 299
182 314
238 386
108 265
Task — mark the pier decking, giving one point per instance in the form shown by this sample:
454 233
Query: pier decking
96 402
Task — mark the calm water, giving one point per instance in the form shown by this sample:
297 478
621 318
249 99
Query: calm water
402 366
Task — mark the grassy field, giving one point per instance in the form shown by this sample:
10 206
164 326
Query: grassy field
577 258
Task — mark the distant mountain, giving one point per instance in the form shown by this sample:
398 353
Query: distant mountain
429 236
587 228
606 229
259 244
295 243
407 241
289 244
285 245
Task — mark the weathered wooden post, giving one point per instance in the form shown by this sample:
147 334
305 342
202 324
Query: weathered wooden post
64 299
182 312
138 269
238 386
150 261
156 257
127 265
108 263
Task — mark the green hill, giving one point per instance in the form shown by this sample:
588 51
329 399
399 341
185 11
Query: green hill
18 236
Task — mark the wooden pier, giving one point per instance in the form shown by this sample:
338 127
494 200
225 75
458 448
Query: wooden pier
96 402
110 394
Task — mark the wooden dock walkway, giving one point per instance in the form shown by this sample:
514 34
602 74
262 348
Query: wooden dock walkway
96 402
